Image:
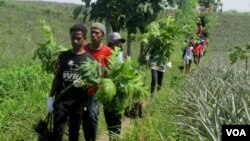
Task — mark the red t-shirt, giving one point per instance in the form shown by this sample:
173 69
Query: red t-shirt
197 49
100 55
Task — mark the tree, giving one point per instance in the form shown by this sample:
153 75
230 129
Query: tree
186 16
129 14
239 53
207 3
160 39
48 51
144 12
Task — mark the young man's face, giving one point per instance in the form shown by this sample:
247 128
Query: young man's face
77 39
96 35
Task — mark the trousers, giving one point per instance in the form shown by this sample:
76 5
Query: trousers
157 77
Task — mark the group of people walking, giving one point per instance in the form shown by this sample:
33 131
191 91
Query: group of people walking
79 105
195 48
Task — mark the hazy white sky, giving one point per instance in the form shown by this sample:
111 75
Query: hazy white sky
239 5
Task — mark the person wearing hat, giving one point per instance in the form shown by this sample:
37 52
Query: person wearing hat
115 40
100 53
113 117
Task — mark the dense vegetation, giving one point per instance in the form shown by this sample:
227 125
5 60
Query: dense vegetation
24 85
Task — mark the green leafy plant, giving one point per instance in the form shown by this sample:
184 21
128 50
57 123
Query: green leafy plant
238 53
91 72
159 39
128 81
122 84
186 17
2 2
48 51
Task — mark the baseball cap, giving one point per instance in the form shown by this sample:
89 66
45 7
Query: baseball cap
99 26
114 37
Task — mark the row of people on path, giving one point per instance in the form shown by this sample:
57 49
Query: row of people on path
195 49
79 105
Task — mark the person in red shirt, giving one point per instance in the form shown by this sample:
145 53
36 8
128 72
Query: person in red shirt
204 47
100 52
197 52
200 31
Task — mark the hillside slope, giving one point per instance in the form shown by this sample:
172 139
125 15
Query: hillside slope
20 27
19 34
232 29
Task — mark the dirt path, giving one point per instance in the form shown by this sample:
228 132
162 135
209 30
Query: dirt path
126 123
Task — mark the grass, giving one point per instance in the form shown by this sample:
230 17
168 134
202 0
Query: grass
160 111
20 28
17 45
216 92
166 108
22 101
24 87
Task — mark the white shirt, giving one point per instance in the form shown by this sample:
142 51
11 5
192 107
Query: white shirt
154 65
189 53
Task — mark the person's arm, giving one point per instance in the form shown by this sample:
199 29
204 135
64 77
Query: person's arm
146 57
169 62
54 86
56 80
169 59
184 52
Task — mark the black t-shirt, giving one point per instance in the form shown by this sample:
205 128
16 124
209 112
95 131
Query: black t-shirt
68 70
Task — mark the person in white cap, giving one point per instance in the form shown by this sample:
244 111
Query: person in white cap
113 118
115 40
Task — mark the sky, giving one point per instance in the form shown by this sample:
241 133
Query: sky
238 5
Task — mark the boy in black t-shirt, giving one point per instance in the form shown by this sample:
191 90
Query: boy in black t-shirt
69 107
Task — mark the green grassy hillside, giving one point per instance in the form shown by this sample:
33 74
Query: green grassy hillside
24 86
20 28
232 29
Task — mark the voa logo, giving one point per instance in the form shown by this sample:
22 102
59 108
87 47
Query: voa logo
236 132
